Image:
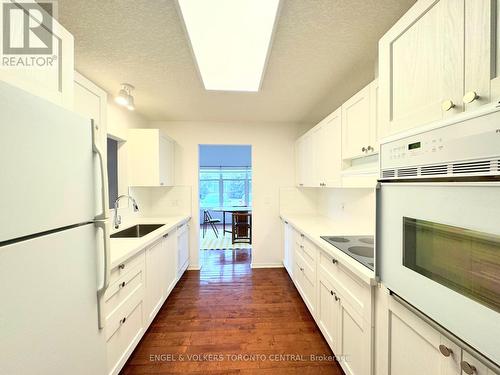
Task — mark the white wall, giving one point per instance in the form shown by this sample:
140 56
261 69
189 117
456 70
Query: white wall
354 206
272 168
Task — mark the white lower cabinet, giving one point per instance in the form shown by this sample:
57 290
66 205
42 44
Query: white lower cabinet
138 288
170 261
328 313
413 347
345 329
182 249
155 287
340 303
124 304
288 248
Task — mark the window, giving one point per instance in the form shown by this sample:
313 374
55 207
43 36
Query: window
225 186
112 171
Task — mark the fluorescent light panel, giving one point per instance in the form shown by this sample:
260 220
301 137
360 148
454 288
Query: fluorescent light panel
230 39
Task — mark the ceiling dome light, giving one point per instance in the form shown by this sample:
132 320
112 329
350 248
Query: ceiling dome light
124 97
130 105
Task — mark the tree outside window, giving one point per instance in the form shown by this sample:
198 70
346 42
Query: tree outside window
225 187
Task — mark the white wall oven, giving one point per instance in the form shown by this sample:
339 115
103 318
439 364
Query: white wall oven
438 226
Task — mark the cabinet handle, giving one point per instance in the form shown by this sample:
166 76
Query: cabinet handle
337 298
363 149
301 184
301 235
370 148
447 105
123 320
162 183
302 246
467 368
470 97
301 269
334 261
122 285
165 235
445 350
331 292
121 266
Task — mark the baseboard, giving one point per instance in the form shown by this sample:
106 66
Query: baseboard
266 265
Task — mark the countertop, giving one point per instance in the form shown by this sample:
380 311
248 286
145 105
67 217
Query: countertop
124 248
313 227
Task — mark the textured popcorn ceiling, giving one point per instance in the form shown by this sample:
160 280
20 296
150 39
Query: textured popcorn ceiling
323 52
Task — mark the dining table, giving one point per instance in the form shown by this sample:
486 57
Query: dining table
229 210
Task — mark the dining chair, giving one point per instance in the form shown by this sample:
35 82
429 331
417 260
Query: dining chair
242 227
209 220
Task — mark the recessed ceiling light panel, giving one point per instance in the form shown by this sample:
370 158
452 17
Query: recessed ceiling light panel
230 40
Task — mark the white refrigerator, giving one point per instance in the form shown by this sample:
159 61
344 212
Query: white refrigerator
54 239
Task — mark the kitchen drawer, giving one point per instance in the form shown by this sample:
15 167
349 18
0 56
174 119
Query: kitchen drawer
297 238
126 266
309 252
123 288
354 290
120 316
124 339
305 281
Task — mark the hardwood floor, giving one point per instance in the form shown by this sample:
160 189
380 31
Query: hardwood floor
230 319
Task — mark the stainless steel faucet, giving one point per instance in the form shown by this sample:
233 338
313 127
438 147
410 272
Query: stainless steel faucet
118 219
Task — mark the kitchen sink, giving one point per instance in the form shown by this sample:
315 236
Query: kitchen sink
136 231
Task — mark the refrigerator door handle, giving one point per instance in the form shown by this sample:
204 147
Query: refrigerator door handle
104 225
104 172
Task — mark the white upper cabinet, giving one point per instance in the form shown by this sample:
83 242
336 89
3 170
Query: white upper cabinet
438 60
318 154
150 158
359 123
47 73
304 161
327 155
482 48
91 101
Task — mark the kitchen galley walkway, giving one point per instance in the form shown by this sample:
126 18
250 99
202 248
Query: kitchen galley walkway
231 319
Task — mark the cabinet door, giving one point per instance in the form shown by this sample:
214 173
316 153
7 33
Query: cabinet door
374 123
167 149
327 147
155 268
52 80
170 261
307 159
421 65
356 124
328 312
91 101
482 76
288 248
305 282
355 340
182 249
414 346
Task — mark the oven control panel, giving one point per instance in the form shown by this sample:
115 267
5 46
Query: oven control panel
417 148
475 138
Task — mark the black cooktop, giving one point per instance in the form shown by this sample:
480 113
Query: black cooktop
360 248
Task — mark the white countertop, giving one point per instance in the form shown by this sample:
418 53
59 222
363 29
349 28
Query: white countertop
124 248
314 226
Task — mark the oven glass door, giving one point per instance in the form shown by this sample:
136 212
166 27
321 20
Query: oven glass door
464 260
438 247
